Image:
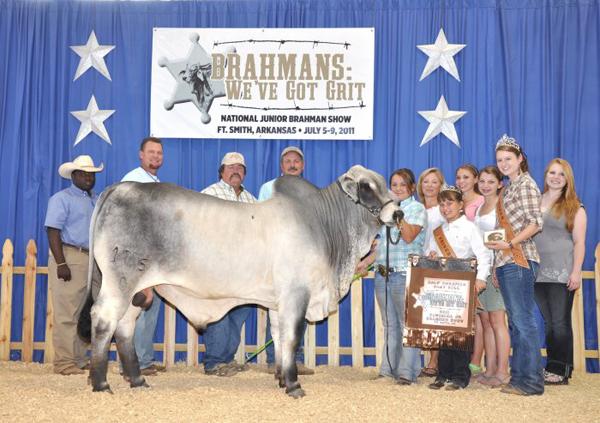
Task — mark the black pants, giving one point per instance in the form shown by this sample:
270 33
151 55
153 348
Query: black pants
555 302
453 365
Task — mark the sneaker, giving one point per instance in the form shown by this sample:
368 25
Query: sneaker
453 387
271 368
554 379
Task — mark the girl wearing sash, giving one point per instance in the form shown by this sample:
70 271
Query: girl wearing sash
562 248
430 183
493 315
459 238
399 362
516 263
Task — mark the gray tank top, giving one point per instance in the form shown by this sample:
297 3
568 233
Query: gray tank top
555 246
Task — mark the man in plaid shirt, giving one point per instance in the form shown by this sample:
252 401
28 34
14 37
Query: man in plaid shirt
222 338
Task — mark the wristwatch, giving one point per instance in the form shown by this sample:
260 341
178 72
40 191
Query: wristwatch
510 244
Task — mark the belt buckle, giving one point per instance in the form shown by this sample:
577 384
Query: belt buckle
383 271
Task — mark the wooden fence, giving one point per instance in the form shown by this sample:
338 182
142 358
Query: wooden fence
333 350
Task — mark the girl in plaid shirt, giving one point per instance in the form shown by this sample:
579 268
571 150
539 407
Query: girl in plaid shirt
516 264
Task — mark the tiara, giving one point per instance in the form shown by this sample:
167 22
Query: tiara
505 140
447 187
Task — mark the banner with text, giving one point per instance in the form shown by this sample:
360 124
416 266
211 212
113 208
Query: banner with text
300 83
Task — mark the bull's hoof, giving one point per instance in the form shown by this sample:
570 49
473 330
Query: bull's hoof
139 383
103 387
281 382
295 392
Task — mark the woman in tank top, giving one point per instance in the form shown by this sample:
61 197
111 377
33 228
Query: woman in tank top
561 246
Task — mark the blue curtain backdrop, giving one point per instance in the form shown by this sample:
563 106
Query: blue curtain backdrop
531 68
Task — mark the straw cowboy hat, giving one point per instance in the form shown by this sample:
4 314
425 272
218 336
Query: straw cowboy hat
84 163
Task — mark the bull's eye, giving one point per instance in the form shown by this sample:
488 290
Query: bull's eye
367 195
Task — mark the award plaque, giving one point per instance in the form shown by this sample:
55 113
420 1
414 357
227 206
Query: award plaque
440 303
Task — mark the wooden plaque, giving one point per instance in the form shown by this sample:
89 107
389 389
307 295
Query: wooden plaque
440 303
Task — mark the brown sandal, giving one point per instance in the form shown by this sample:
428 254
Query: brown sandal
429 372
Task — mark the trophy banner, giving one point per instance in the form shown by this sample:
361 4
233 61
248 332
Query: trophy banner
440 303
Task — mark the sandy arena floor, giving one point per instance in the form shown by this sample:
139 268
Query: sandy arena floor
31 392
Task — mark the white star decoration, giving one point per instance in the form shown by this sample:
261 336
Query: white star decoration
441 120
92 121
440 54
92 55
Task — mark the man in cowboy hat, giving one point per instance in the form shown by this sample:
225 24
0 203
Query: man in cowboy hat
67 225
291 162
222 338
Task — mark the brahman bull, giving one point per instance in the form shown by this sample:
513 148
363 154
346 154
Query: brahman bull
294 254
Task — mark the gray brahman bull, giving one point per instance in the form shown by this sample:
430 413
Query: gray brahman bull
294 254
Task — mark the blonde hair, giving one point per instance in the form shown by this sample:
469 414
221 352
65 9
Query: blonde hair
568 203
422 176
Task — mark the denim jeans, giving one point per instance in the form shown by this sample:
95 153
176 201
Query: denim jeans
143 336
398 361
222 338
516 284
555 302
271 347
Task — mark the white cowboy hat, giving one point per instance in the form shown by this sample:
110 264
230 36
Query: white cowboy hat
84 163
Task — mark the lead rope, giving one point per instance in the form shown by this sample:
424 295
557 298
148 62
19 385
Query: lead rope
388 240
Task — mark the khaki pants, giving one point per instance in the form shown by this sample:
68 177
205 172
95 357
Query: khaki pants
67 297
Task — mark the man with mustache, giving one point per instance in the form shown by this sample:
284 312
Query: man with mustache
151 159
222 338
291 162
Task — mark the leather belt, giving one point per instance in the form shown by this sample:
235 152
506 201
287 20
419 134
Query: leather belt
80 249
383 271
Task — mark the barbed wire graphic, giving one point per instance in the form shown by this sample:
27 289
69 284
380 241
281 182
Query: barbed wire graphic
267 108
315 43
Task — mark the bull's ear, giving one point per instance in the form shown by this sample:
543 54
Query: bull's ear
349 185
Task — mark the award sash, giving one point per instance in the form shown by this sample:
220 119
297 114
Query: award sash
516 251
442 242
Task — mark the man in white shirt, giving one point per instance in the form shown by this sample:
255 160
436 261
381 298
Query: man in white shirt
222 338
151 159
291 162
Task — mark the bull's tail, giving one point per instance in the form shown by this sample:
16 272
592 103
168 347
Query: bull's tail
84 323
